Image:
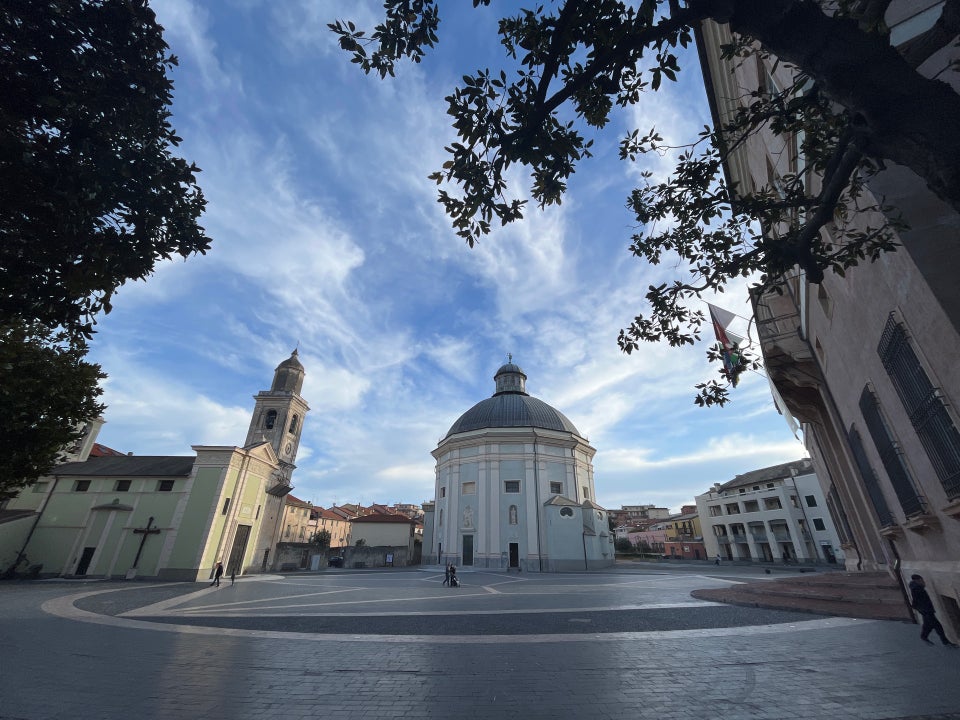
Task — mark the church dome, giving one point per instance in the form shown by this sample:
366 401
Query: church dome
511 406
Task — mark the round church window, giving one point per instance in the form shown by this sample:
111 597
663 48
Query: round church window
566 512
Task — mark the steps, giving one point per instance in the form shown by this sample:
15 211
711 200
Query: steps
875 596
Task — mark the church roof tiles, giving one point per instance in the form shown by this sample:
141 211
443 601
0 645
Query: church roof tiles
129 466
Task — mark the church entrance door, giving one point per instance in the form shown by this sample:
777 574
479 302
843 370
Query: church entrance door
467 550
514 555
235 564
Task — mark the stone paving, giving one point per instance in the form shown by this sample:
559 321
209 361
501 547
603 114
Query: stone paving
628 643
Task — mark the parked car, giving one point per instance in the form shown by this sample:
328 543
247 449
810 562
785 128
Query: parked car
335 562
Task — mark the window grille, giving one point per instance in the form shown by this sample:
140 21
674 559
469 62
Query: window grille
890 455
870 481
925 405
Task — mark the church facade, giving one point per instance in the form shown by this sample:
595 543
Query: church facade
515 488
165 517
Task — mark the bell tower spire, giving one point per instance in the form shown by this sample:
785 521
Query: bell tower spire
278 414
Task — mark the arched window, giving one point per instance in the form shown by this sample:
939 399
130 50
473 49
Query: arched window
270 420
293 424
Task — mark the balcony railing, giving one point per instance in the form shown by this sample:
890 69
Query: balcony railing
723 539
759 536
739 537
782 536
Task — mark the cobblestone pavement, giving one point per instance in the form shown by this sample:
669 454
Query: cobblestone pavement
622 644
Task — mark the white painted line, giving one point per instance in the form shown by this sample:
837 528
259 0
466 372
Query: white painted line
161 607
258 609
64 607
491 590
164 607
260 612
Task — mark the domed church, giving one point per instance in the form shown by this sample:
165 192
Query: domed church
514 488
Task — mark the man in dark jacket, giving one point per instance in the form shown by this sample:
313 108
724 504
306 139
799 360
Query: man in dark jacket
921 602
217 574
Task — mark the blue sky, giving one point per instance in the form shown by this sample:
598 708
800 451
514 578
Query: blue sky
326 232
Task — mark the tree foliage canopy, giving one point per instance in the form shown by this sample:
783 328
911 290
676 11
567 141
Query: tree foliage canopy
321 538
47 392
581 59
92 195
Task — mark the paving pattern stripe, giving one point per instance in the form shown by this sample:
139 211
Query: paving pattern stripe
64 607
263 605
164 605
227 611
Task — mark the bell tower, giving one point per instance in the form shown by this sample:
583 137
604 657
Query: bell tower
278 415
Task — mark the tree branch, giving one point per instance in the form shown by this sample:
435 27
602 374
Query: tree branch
552 63
871 80
616 56
844 162
917 50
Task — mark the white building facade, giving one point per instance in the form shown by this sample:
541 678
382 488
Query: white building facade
771 515
515 489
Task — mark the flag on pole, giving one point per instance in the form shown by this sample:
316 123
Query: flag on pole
724 319
733 362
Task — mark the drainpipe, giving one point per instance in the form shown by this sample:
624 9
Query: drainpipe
22 553
903 587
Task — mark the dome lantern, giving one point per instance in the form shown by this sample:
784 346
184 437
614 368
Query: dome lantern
510 378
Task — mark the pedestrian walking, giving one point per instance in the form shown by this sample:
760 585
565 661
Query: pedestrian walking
454 582
233 575
717 561
217 574
446 574
921 602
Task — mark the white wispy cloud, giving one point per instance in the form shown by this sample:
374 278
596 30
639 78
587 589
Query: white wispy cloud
715 449
176 415
187 30
327 232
